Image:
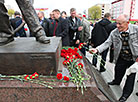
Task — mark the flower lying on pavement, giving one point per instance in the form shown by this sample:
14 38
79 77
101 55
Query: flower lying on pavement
60 77
33 76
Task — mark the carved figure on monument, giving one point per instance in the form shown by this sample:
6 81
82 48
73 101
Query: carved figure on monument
31 18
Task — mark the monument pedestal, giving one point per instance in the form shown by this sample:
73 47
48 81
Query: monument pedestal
17 91
26 56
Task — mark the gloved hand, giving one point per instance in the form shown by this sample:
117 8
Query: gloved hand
133 68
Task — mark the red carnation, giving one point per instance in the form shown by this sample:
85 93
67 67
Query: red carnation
32 77
69 49
36 75
80 57
80 65
75 49
25 29
63 51
66 78
26 77
64 62
137 60
81 45
67 56
63 55
84 16
59 76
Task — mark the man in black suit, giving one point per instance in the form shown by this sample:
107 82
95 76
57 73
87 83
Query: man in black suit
59 28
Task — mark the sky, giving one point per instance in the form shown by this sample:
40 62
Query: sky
62 5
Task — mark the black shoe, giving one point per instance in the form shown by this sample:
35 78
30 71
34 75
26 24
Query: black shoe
137 93
110 61
113 83
102 70
122 99
94 65
5 40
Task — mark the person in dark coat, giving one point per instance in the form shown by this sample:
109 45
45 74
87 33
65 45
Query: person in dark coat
59 28
44 22
99 34
75 27
17 21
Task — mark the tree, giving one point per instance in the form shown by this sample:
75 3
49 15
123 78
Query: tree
11 12
94 12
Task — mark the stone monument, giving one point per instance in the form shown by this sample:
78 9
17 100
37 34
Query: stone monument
26 56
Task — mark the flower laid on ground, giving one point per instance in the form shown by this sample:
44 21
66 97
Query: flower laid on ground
60 77
75 67
33 78
66 78
80 65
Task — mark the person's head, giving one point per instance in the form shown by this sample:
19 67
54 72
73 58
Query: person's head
16 13
136 23
122 22
80 16
40 15
63 14
51 15
56 13
73 12
108 16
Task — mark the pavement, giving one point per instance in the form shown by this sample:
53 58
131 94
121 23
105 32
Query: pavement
108 76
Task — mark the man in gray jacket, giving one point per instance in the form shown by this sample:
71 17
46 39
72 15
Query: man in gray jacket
125 41
85 33
31 18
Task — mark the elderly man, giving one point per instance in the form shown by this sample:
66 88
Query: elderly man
125 41
31 18
85 33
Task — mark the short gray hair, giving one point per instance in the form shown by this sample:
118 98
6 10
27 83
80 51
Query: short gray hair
72 9
123 17
126 17
41 12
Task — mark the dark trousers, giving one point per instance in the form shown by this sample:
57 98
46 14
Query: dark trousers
83 50
120 70
111 54
102 64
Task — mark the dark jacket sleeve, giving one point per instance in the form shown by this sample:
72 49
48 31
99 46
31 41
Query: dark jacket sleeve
45 25
78 32
65 28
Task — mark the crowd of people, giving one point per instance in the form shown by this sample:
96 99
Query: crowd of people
73 29
120 37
